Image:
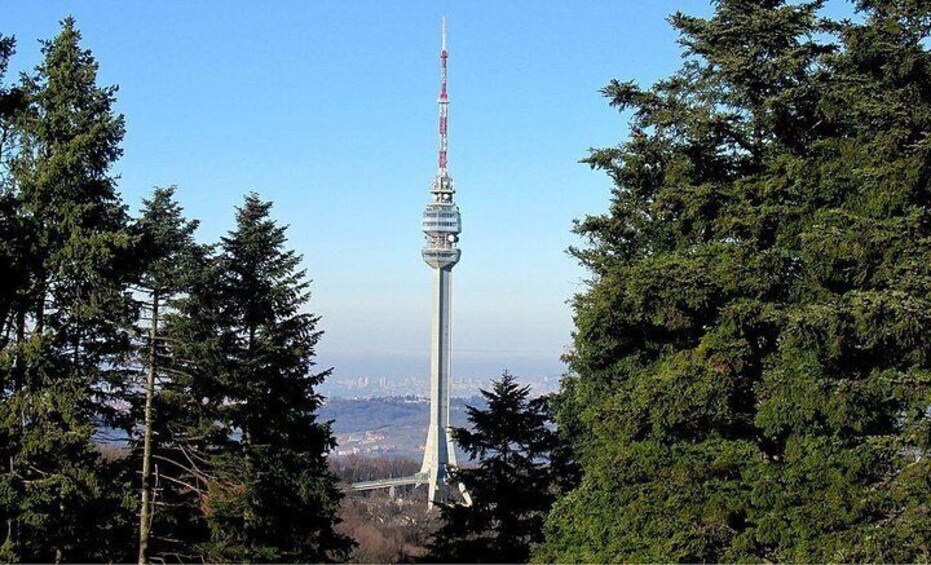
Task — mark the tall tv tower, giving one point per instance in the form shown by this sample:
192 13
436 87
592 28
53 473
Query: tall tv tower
441 226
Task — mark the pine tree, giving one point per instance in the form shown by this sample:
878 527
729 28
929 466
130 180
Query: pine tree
513 486
71 315
248 345
170 258
751 365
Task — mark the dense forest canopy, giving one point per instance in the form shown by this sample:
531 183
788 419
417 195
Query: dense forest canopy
750 378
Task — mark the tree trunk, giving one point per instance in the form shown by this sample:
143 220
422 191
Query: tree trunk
15 387
40 306
145 514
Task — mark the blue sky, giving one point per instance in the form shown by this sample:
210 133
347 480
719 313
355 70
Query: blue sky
328 109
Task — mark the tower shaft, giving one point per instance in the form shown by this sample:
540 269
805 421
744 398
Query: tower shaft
439 451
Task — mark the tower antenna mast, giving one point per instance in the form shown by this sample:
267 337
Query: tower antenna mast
444 104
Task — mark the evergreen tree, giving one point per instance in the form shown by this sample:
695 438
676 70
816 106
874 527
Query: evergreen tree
751 374
12 252
244 339
170 258
11 265
513 486
71 314
12 103
188 431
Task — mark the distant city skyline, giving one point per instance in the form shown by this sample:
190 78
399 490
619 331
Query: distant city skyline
366 386
328 109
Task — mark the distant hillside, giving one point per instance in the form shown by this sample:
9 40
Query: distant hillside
388 426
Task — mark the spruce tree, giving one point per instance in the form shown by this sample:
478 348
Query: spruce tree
12 238
72 313
513 486
751 374
12 253
248 345
170 259
188 432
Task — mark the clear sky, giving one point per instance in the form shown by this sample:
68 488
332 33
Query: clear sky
329 109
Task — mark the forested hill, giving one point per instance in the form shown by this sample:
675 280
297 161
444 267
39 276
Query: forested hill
354 415
387 426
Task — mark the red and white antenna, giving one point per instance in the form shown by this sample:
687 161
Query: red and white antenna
443 103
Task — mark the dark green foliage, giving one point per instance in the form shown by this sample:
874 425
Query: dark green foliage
514 485
170 262
166 247
66 325
12 238
244 338
751 369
